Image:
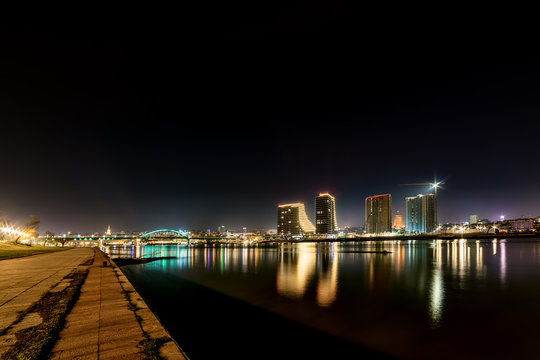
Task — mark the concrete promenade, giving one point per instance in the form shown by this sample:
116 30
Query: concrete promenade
23 281
108 321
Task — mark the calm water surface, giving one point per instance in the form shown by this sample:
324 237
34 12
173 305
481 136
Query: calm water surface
425 299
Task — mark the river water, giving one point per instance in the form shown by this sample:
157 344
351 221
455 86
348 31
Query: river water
424 299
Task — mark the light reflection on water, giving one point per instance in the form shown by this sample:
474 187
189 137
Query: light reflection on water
359 288
302 265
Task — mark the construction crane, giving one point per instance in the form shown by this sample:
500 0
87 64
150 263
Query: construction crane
435 184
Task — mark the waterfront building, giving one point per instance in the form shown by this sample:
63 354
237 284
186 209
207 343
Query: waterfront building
398 222
292 220
420 213
108 232
473 219
379 214
522 224
325 214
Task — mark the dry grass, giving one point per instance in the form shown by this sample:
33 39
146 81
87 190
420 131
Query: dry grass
35 343
11 251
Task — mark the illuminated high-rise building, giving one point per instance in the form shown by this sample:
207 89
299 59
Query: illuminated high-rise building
413 213
325 214
398 222
108 232
292 220
473 219
420 213
379 214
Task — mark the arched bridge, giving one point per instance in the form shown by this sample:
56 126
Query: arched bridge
166 233
155 236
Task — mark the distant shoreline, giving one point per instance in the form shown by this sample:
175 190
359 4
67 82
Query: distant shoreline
477 236
418 237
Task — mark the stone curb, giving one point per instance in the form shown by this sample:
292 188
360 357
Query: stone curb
150 324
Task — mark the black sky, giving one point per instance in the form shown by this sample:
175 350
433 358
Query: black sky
209 114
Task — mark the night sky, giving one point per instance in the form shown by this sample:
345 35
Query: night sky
203 115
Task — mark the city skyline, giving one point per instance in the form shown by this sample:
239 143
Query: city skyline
105 125
351 179
310 214
347 215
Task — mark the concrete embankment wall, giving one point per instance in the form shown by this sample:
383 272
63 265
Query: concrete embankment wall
150 324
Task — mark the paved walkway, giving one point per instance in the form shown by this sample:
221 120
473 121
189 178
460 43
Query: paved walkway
24 281
102 326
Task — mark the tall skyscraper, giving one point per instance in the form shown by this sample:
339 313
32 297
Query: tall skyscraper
473 219
379 214
413 213
420 213
108 232
325 214
292 220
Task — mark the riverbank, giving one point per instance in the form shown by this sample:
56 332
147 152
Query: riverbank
72 304
12 251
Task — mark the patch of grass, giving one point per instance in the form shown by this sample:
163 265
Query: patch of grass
151 347
11 251
36 342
